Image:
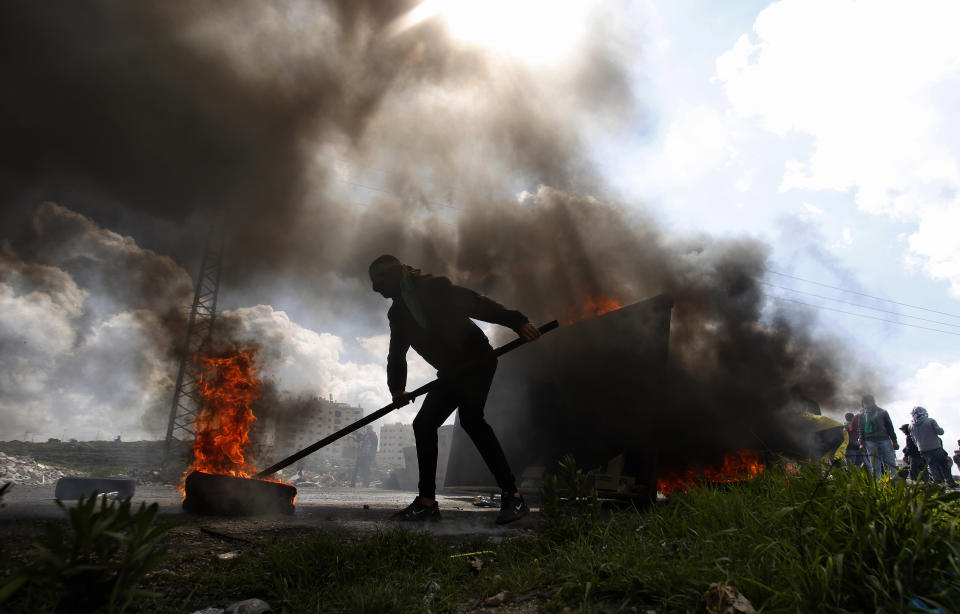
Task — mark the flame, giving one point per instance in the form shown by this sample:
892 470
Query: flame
227 387
736 467
593 307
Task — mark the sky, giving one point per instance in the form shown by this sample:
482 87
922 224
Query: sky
828 129
825 132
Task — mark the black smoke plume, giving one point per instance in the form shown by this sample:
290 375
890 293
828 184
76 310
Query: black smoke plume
157 119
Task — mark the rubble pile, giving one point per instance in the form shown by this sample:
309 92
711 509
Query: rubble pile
309 479
28 472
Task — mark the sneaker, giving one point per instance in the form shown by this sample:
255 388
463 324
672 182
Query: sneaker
418 512
512 509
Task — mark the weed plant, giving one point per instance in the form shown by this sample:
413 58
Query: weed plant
572 516
96 566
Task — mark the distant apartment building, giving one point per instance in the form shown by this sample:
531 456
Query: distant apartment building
306 419
393 439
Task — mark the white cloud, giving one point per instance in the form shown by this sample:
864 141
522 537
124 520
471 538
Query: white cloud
376 346
697 142
813 210
874 84
306 361
85 346
847 236
936 240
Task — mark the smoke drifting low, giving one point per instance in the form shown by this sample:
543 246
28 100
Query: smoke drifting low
320 140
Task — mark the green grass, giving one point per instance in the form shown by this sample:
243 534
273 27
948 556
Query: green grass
796 542
790 542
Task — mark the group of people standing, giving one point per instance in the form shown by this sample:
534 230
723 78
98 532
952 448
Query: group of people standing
873 441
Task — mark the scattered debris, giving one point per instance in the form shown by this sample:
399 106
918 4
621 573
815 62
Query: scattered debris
249 606
491 501
226 556
498 599
28 472
472 554
308 479
723 599
210 610
430 589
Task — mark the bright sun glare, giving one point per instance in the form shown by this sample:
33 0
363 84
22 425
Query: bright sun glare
535 30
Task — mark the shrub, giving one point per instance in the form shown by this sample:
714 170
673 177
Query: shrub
96 565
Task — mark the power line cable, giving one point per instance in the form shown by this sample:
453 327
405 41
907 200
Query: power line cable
839 300
861 315
817 283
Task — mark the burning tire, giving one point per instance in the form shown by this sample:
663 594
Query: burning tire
225 495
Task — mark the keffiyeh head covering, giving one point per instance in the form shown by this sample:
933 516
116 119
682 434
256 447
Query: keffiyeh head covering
919 414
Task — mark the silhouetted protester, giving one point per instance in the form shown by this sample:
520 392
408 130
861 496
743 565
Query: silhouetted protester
433 316
854 456
877 437
912 456
926 432
366 452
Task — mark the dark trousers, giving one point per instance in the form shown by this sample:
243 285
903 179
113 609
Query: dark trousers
362 470
916 468
468 393
938 466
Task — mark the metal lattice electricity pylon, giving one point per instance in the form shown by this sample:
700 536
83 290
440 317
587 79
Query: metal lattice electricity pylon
186 400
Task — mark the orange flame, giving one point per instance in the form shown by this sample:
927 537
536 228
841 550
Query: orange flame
227 387
593 307
736 467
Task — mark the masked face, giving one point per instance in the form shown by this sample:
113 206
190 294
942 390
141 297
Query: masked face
387 282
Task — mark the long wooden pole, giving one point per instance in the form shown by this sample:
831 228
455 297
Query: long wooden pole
549 326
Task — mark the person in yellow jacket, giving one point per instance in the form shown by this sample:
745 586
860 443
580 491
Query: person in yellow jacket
830 439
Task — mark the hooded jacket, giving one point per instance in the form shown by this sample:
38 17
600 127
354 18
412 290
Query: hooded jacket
925 434
450 338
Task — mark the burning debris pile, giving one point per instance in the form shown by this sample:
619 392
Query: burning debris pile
28 472
734 467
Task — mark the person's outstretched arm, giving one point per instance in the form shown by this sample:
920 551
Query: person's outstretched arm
480 307
397 364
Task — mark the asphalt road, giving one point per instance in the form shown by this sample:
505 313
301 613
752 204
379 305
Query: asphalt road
352 511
